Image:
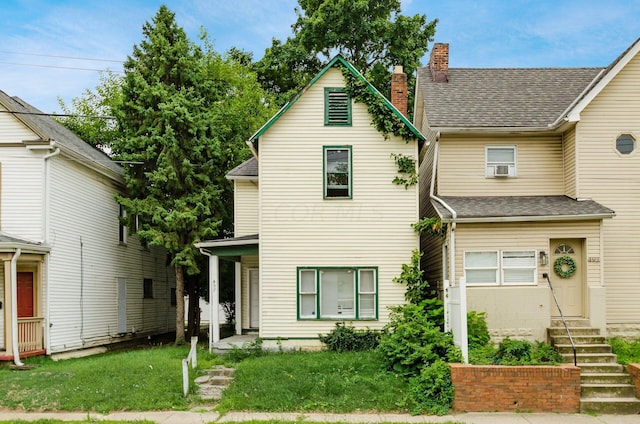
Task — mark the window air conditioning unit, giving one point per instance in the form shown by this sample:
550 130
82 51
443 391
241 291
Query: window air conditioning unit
501 171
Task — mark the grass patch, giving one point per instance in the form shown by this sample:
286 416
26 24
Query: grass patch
138 380
314 381
628 351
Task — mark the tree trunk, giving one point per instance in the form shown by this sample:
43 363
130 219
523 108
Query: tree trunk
193 327
179 305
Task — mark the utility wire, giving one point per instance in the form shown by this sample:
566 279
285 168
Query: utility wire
62 57
61 67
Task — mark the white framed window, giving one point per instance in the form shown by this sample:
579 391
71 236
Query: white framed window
519 267
501 161
506 267
337 293
481 268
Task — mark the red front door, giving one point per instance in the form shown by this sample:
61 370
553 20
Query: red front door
25 294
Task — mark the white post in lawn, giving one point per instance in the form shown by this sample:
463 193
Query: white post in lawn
185 376
214 301
238 313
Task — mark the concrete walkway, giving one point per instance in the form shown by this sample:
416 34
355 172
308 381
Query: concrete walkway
189 417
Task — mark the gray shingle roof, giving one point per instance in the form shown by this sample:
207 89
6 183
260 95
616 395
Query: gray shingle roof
526 97
48 128
10 243
248 168
520 207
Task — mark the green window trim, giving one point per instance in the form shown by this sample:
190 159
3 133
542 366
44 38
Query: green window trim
337 182
314 295
337 107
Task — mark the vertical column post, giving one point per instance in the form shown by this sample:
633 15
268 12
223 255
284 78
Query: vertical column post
214 301
238 297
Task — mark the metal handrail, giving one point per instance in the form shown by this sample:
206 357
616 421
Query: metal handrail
566 327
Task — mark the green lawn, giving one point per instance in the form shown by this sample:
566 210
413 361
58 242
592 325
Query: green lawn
151 379
314 381
140 380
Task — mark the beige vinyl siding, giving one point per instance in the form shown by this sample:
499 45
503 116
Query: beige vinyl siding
528 236
569 148
248 262
300 228
245 207
461 166
2 312
86 260
614 180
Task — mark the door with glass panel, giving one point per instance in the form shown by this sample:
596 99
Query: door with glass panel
566 273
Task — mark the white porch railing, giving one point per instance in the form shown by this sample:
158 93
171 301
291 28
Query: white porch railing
29 334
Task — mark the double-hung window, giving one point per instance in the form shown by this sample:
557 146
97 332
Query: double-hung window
506 267
337 293
500 161
337 172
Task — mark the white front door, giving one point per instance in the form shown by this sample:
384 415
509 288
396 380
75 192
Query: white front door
254 298
568 284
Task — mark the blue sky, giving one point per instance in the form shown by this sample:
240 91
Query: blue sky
481 33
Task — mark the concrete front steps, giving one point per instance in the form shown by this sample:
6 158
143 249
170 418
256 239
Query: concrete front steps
605 385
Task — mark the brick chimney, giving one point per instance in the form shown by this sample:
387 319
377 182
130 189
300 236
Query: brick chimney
439 62
399 89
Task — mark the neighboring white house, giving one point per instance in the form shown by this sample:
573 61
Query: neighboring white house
71 277
320 228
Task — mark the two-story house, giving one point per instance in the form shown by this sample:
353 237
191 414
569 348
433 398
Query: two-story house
71 278
535 174
320 228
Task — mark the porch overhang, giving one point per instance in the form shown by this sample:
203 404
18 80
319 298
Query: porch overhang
496 209
231 248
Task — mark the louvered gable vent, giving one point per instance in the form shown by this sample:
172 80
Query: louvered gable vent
337 107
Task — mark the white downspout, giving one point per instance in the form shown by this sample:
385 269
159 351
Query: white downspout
452 231
45 236
14 307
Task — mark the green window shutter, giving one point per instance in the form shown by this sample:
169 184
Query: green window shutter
337 107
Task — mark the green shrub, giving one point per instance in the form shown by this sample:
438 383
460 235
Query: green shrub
346 338
628 351
543 353
513 352
482 355
477 329
432 390
419 292
410 342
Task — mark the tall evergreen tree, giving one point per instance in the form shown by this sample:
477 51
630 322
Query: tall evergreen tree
184 116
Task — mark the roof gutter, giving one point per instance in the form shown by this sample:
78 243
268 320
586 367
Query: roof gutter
589 217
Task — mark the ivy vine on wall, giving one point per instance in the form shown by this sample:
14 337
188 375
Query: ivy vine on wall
386 122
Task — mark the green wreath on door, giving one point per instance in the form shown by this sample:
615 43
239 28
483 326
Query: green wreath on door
564 267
